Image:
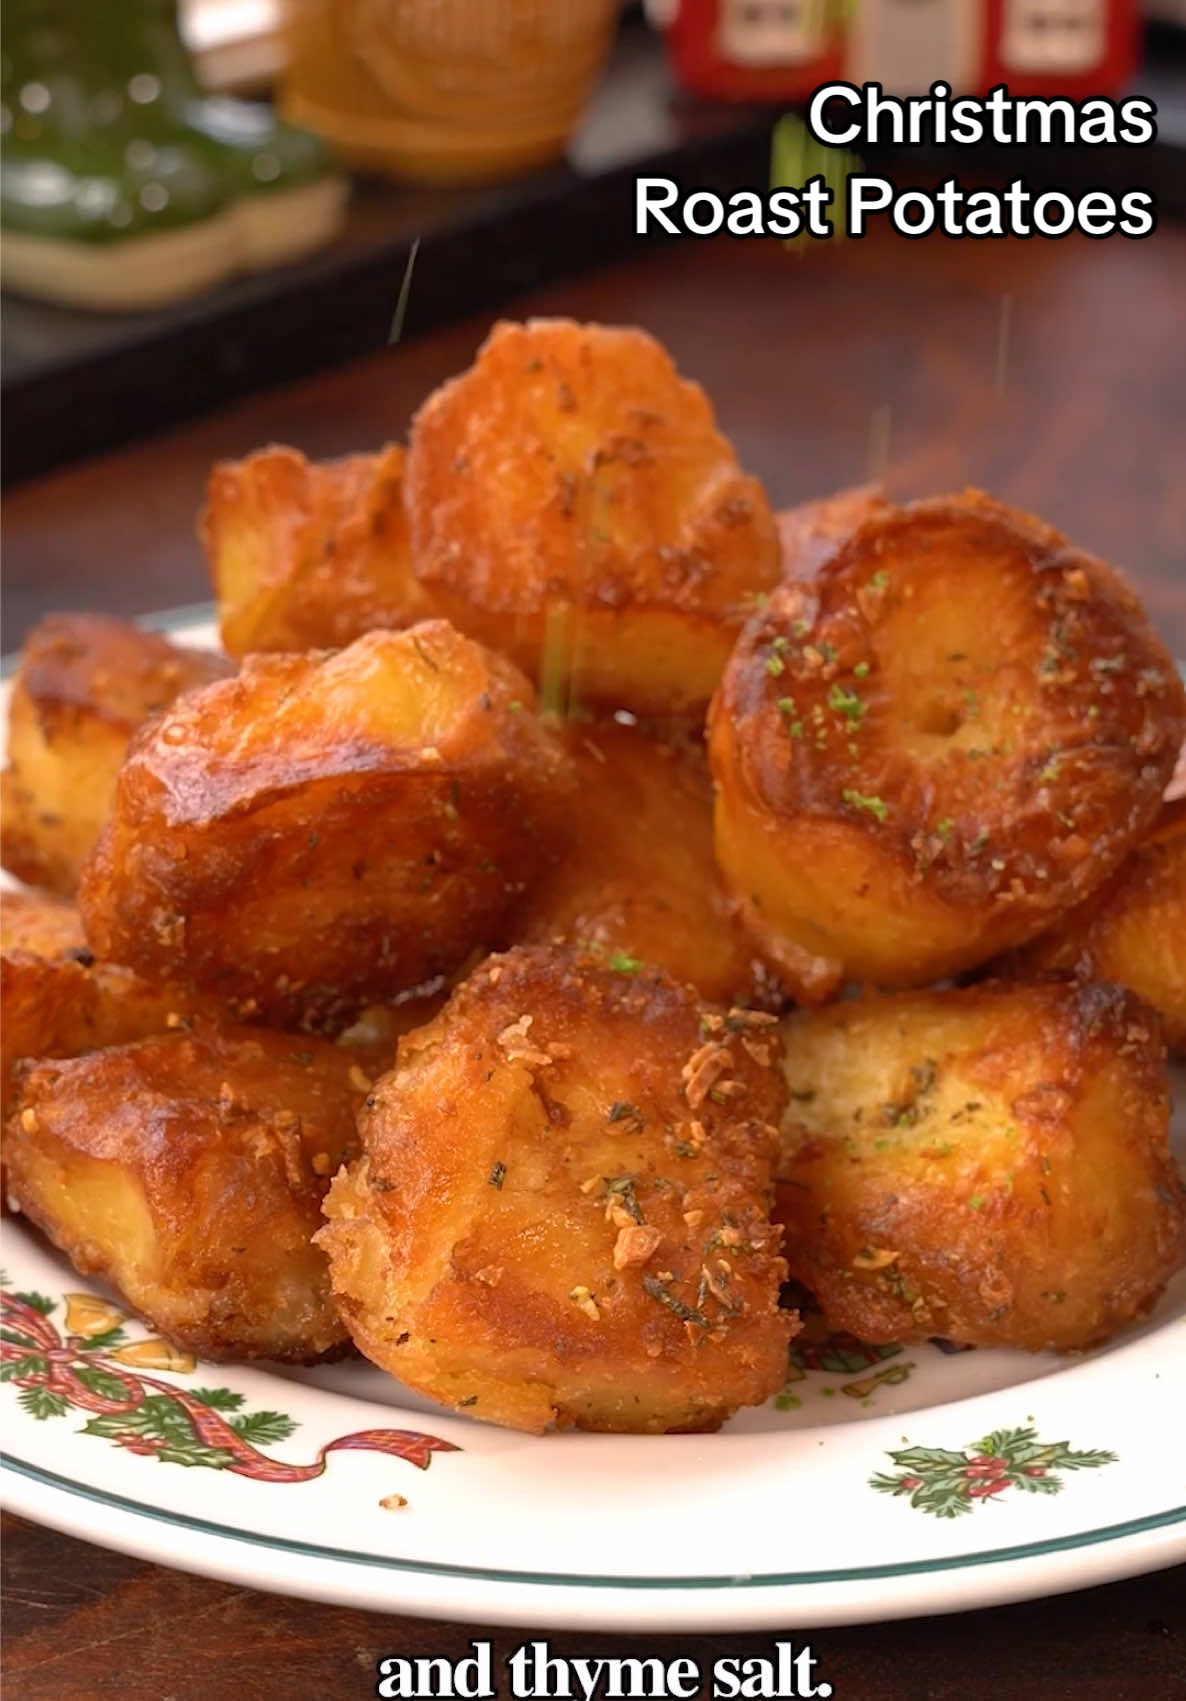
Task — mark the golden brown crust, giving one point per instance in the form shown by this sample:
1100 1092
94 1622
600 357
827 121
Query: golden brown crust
309 555
85 684
326 831
1133 929
809 534
952 735
188 1170
571 492
991 1164
639 880
58 1000
560 1215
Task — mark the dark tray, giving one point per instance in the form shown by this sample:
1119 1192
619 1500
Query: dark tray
76 383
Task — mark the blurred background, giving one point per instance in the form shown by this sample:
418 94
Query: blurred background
205 198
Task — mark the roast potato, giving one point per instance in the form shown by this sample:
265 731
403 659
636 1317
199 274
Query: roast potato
573 504
308 555
639 880
40 926
85 684
327 831
813 531
1133 930
59 1001
923 757
188 1171
560 1212
989 1164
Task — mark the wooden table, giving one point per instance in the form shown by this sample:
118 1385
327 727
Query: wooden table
1052 373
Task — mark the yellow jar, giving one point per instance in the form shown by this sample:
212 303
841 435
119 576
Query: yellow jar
444 91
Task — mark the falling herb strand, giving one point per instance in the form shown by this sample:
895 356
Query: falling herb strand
401 304
555 660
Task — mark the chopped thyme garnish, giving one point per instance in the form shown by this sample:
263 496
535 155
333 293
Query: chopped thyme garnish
774 666
880 580
976 1202
945 828
858 800
847 703
623 1187
622 1111
861 670
498 1174
664 1295
621 963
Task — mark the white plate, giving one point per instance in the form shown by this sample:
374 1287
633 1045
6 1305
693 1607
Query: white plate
866 1490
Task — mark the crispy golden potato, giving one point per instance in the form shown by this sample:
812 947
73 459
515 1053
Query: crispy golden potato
1133 930
560 1213
813 531
40 926
59 1001
309 555
188 1171
327 831
951 736
85 684
989 1164
639 881
573 504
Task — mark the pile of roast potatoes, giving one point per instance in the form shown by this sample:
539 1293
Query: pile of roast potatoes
583 920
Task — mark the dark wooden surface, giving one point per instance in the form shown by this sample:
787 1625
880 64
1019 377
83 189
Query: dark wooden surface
1053 374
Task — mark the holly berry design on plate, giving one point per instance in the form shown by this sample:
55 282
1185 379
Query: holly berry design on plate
94 1368
948 1484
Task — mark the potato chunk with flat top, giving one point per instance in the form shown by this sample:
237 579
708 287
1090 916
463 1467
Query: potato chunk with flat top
327 831
639 880
561 1210
85 685
573 504
188 1171
308 555
924 755
58 1000
1133 930
990 1164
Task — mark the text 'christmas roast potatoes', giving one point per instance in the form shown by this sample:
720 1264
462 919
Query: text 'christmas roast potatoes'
1133 930
571 499
326 831
989 1164
925 754
560 1214
188 1171
309 555
638 880
85 685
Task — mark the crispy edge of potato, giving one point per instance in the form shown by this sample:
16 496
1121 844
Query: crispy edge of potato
57 1000
326 831
309 554
989 1164
1132 930
813 531
85 684
620 547
188 1170
479 1252
857 838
